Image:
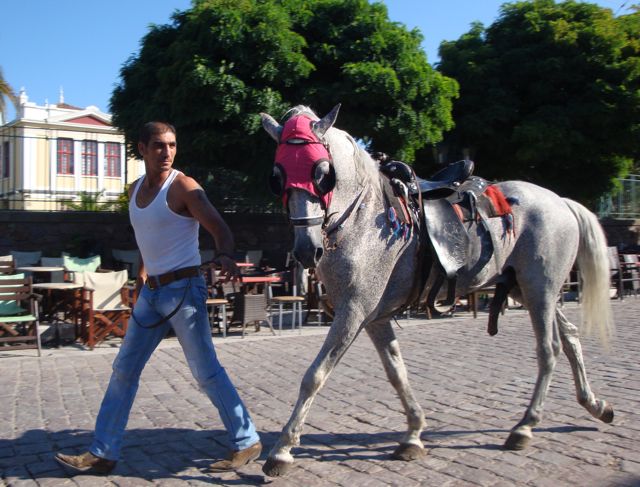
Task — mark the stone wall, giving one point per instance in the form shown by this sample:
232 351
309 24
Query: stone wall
86 233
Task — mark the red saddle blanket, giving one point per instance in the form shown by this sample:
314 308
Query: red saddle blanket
500 205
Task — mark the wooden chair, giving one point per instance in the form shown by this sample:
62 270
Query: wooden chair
7 264
105 306
18 314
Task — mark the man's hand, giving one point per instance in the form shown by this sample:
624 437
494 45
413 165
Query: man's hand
229 270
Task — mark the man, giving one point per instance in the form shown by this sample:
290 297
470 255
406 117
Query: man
166 208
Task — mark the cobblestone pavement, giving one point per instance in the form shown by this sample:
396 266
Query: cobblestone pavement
473 388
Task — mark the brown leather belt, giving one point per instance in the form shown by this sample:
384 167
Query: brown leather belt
154 282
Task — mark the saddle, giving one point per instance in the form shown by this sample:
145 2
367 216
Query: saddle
447 208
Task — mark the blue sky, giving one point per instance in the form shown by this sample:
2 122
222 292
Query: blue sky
80 45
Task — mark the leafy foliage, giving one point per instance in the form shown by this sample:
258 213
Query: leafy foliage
93 202
8 92
222 62
549 93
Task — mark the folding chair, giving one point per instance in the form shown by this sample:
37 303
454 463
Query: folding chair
73 265
18 314
105 306
7 264
26 258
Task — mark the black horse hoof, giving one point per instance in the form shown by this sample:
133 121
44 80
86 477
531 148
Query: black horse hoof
517 441
276 468
408 452
607 414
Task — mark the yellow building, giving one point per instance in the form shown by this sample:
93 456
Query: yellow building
52 155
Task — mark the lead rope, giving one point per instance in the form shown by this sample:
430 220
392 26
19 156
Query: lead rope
164 319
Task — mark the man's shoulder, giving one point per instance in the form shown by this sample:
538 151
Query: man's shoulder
182 181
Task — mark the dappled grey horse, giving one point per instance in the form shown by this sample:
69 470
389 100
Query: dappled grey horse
333 192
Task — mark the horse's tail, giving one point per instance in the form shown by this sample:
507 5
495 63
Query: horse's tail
593 263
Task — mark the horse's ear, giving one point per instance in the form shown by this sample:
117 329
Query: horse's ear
325 123
273 128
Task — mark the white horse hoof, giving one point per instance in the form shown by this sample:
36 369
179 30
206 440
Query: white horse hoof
408 452
276 468
607 414
517 440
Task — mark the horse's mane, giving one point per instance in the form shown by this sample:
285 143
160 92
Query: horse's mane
366 168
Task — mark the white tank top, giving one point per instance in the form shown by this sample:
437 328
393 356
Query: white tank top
167 241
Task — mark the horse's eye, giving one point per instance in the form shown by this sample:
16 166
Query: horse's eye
277 180
324 176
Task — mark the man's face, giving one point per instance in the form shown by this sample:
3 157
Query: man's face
159 153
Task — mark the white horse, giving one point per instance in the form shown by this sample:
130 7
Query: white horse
342 228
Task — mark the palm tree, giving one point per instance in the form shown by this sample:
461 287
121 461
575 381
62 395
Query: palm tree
6 91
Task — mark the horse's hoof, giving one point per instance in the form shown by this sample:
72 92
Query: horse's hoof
607 414
276 468
517 441
408 452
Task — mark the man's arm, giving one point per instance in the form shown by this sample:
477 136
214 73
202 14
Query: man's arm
198 205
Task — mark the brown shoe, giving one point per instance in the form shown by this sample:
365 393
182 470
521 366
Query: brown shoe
237 459
86 463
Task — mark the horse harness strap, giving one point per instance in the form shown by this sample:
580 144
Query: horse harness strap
328 229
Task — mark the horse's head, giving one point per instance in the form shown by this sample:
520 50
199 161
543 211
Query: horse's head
313 174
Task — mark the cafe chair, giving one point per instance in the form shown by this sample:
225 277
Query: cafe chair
26 258
630 268
18 314
7 264
251 308
57 276
218 314
254 257
105 306
74 265
127 259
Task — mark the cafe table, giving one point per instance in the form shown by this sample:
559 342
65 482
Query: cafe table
39 270
250 281
67 303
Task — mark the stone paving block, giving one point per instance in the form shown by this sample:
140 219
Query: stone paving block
473 389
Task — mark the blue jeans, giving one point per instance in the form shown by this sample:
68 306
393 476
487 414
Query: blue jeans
191 325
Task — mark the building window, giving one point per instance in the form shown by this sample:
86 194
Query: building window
112 160
89 158
65 156
5 160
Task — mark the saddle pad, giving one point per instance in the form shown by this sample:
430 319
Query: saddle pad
496 203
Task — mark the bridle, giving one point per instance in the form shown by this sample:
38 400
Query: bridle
304 162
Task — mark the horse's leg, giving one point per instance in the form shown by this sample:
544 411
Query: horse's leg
548 349
599 409
384 339
340 337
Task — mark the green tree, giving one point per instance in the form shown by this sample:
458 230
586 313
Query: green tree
6 92
217 65
549 93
